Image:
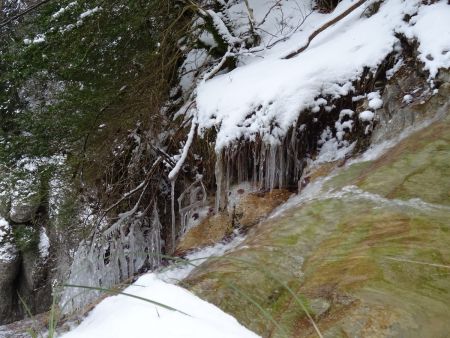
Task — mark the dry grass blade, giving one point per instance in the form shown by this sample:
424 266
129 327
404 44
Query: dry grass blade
418 262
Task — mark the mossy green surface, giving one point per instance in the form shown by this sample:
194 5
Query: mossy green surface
375 258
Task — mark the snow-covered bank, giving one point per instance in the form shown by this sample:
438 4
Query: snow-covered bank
122 316
267 93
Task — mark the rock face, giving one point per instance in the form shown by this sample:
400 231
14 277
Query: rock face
210 231
367 257
9 270
255 207
24 269
22 213
23 272
248 210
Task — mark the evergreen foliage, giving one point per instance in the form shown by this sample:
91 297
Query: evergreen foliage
68 67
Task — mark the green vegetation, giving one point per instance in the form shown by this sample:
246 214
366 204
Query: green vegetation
26 237
63 75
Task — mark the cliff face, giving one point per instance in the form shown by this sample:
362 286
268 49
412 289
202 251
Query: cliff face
135 131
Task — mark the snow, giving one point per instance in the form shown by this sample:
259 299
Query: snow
375 101
44 244
266 93
122 316
222 29
390 73
7 250
333 150
4 228
62 10
366 116
40 38
178 272
90 12
408 98
432 29
174 172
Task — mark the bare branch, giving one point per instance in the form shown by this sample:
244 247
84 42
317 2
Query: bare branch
277 3
28 10
324 27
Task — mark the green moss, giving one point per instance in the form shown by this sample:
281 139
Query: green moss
381 264
26 238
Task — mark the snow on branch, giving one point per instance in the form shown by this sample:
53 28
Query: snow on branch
222 29
26 11
124 216
174 172
217 68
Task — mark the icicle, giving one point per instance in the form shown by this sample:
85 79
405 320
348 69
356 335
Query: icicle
262 158
255 165
220 200
271 168
228 161
282 169
172 204
155 239
186 210
111 260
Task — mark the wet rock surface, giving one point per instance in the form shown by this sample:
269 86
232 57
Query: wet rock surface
249 209
210 231
255 207
367 257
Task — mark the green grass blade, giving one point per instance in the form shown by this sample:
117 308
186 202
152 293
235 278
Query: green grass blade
116 292
263 311
271 275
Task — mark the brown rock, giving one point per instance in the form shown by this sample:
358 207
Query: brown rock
255 207
251 209
210 231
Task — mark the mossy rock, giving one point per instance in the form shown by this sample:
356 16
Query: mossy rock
368 259
210 231
417 167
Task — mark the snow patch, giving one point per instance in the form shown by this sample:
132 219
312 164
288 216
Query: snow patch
7 250
40 38
90 12
408 98
62 10
366 116
44 244
266 94
4 228
432 29
178 272
121 316
375 101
